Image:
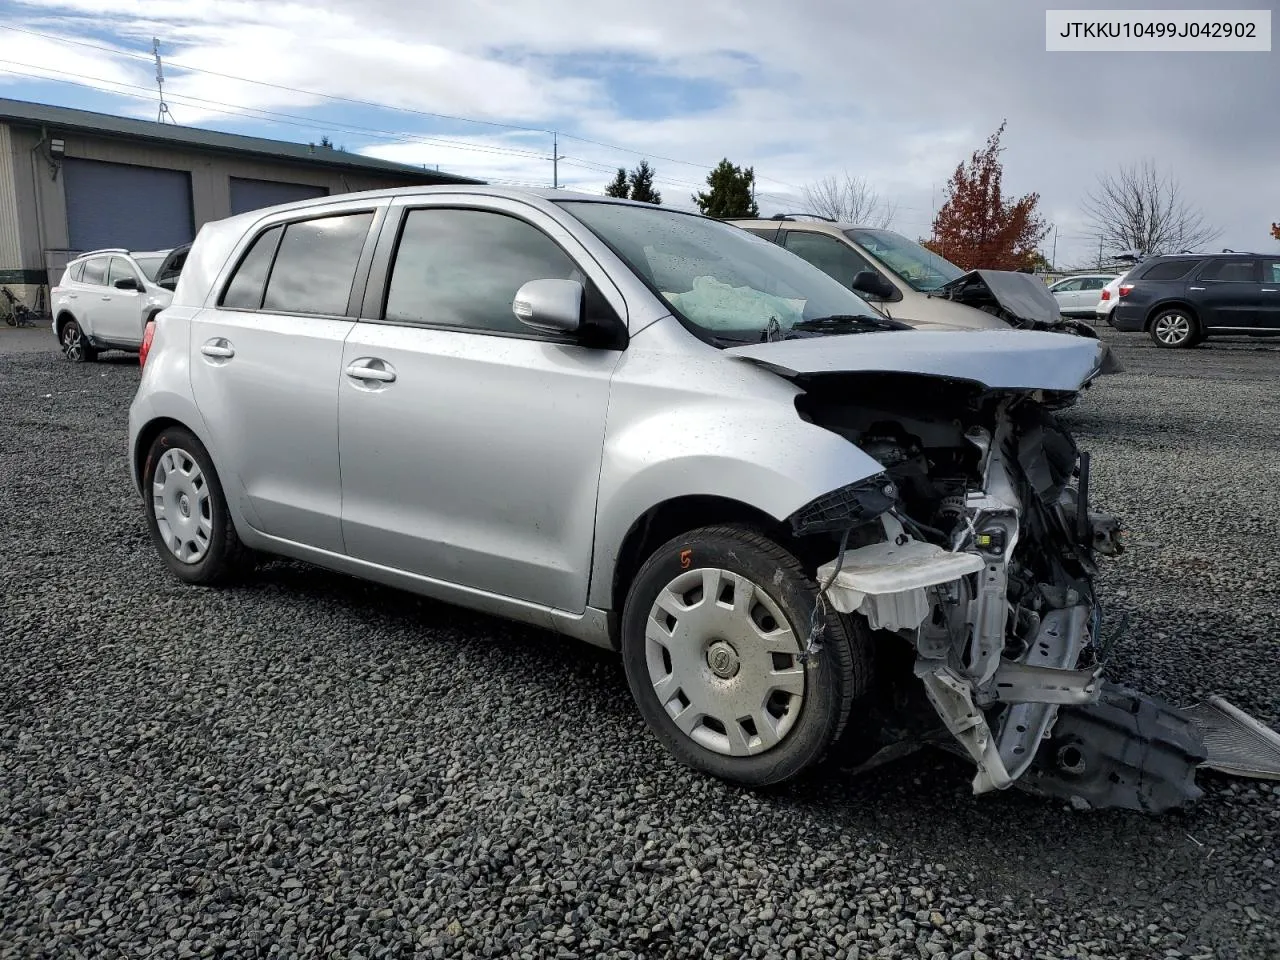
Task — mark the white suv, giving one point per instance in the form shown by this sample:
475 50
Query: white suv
103 302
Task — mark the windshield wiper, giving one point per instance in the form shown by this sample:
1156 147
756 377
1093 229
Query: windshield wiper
846 323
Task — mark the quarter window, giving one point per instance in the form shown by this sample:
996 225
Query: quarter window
1239 271
1271 272
95 271
462 268
244 292
316 265
77 272
829 255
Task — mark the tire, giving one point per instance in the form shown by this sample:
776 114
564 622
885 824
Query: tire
188 519
75 345
1175 328
724 671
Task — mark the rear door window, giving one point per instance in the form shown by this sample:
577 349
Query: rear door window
1271 273
95 271
1169 270
1231 271
316 264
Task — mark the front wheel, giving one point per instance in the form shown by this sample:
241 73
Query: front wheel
186 511
1174 328
715 644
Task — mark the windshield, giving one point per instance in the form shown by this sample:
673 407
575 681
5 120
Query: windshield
731 285
921 268
149 266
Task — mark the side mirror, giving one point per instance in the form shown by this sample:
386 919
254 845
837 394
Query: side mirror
873 285
552 306
126 283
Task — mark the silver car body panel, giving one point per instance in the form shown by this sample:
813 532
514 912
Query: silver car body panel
996 359
506 473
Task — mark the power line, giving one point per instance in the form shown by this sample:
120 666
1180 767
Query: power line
114 51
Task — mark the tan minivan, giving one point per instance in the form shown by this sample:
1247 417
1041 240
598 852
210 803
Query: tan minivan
904 279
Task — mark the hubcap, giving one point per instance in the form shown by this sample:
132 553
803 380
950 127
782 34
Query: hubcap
724 662
72 342
1173 328
184 509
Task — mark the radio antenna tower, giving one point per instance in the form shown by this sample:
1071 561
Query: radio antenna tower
164 110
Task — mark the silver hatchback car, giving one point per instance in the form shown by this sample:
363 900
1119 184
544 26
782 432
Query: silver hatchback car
794 517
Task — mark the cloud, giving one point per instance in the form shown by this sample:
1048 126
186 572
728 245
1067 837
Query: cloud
898 93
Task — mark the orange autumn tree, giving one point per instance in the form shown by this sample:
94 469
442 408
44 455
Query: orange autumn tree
977 229
1275 230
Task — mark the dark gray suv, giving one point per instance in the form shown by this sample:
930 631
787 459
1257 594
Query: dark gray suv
1182 300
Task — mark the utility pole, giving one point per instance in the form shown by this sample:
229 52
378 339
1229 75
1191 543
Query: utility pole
555 160
164 107
1053 259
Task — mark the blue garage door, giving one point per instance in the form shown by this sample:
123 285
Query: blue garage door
249 195
120 205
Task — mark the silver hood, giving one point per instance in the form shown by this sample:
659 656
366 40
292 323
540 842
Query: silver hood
996 359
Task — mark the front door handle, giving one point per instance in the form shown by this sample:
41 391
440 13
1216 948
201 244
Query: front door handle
1195 288
364 369
108 299
1270 290
218 348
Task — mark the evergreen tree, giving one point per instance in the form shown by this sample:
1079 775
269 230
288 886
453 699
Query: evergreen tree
641 183
730 193
618 187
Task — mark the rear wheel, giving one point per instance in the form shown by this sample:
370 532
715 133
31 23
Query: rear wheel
75 345
714 637
1175 327
186 511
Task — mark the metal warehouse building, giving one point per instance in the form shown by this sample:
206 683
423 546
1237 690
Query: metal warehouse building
72 181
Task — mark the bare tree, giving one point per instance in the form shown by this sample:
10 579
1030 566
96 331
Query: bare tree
1140 208
851 200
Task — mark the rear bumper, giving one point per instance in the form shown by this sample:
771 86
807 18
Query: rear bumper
1125 317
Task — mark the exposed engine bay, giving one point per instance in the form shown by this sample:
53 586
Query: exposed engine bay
973 556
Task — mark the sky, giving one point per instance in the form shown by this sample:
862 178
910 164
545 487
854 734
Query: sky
897 93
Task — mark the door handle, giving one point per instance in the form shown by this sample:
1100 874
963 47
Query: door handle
108 299
1270 290
361 370
219 348
1195 288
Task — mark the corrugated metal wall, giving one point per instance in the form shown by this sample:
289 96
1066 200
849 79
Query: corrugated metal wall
10 234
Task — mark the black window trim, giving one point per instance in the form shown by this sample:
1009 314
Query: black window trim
357 281
1213 261
379 284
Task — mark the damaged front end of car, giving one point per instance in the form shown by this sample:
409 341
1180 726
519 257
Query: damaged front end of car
973 557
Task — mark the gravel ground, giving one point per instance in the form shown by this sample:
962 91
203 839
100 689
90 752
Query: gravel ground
309 766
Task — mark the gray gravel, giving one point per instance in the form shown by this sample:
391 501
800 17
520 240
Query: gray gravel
309 766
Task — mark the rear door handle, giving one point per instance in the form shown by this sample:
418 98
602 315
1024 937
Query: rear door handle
219 348
1270 290
364 369
1195 288
108 299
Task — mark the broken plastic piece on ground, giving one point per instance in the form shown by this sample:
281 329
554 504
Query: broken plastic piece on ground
886 582
1237 744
